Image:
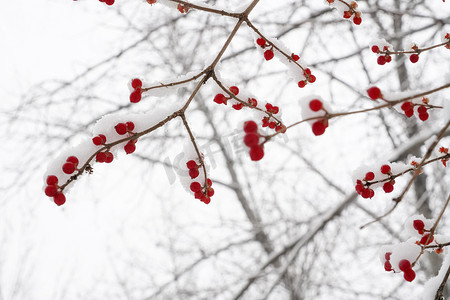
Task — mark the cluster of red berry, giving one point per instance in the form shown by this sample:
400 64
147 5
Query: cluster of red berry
274 124
384 56
53 190
309 78
182 8
123 128
404 265
362 186
268 54
222 99
319 126
353 12
251 140
408 109
426 238
136 95
203 193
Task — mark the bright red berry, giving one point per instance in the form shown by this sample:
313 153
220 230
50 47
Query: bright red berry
194 173
73 159
121 128
404 265
374 93
237 106
388 58
97 141
261 42
385 169
209 182
366 193
369 176
130 126
109 157
130 147
52 180
311 78
315 105
220 98
195 187
210 192
252 102
318 127
357 20
387 255
234 90
424 117
59 198
388 187
387 266
191 164
51 190
256 153
136 83
251 139
348 14
425 240
109 2
268 54
409 113
381 60
295 57
409 275
301 84
135 96
250 126
408 105
414 58
375 49
68 168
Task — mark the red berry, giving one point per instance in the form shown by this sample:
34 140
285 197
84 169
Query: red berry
424 117
375 49
357 20
198 195
51 190
251 139
307 71
109 2
385 169
374 93
348 14
130 126
195 187
237 106
206 200
359 188
252 102
301 84
409 113
422 109
68 168
387 256
135 96
100 157
414 58
191 164
418 225
295 57
220 98
209 182
381 60
261 42
136 83
73 159
315 105
59 199
404 265
311 78
234 90
97 141
409 275
366 193
318 127
272 125
130 147
121 128
250 126
256 153
109 157
369 176
275 110
103 138
424 239
388 187
387 266
407 106
193 173
388 58
210 192
52 180
268 54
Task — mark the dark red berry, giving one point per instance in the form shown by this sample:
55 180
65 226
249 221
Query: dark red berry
210 192
318 127
135 96
237 106
51 190
109 157
409 275
73 159
59 198
103 138
425 240
251 139
52 180
195 187
407 106
220 98
301 84
385 169
268 54
97 141
424 117
109 2
234 90
414 58
191 164
375 49
250 126
404 265
261 42
418 225
388 187
193 173
130 147
374 93
100 157
130 126
387 266
256 153
357 20
381 60
295 57
387 256
369 176
311 78
136 83
68 168
121 128
409 113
